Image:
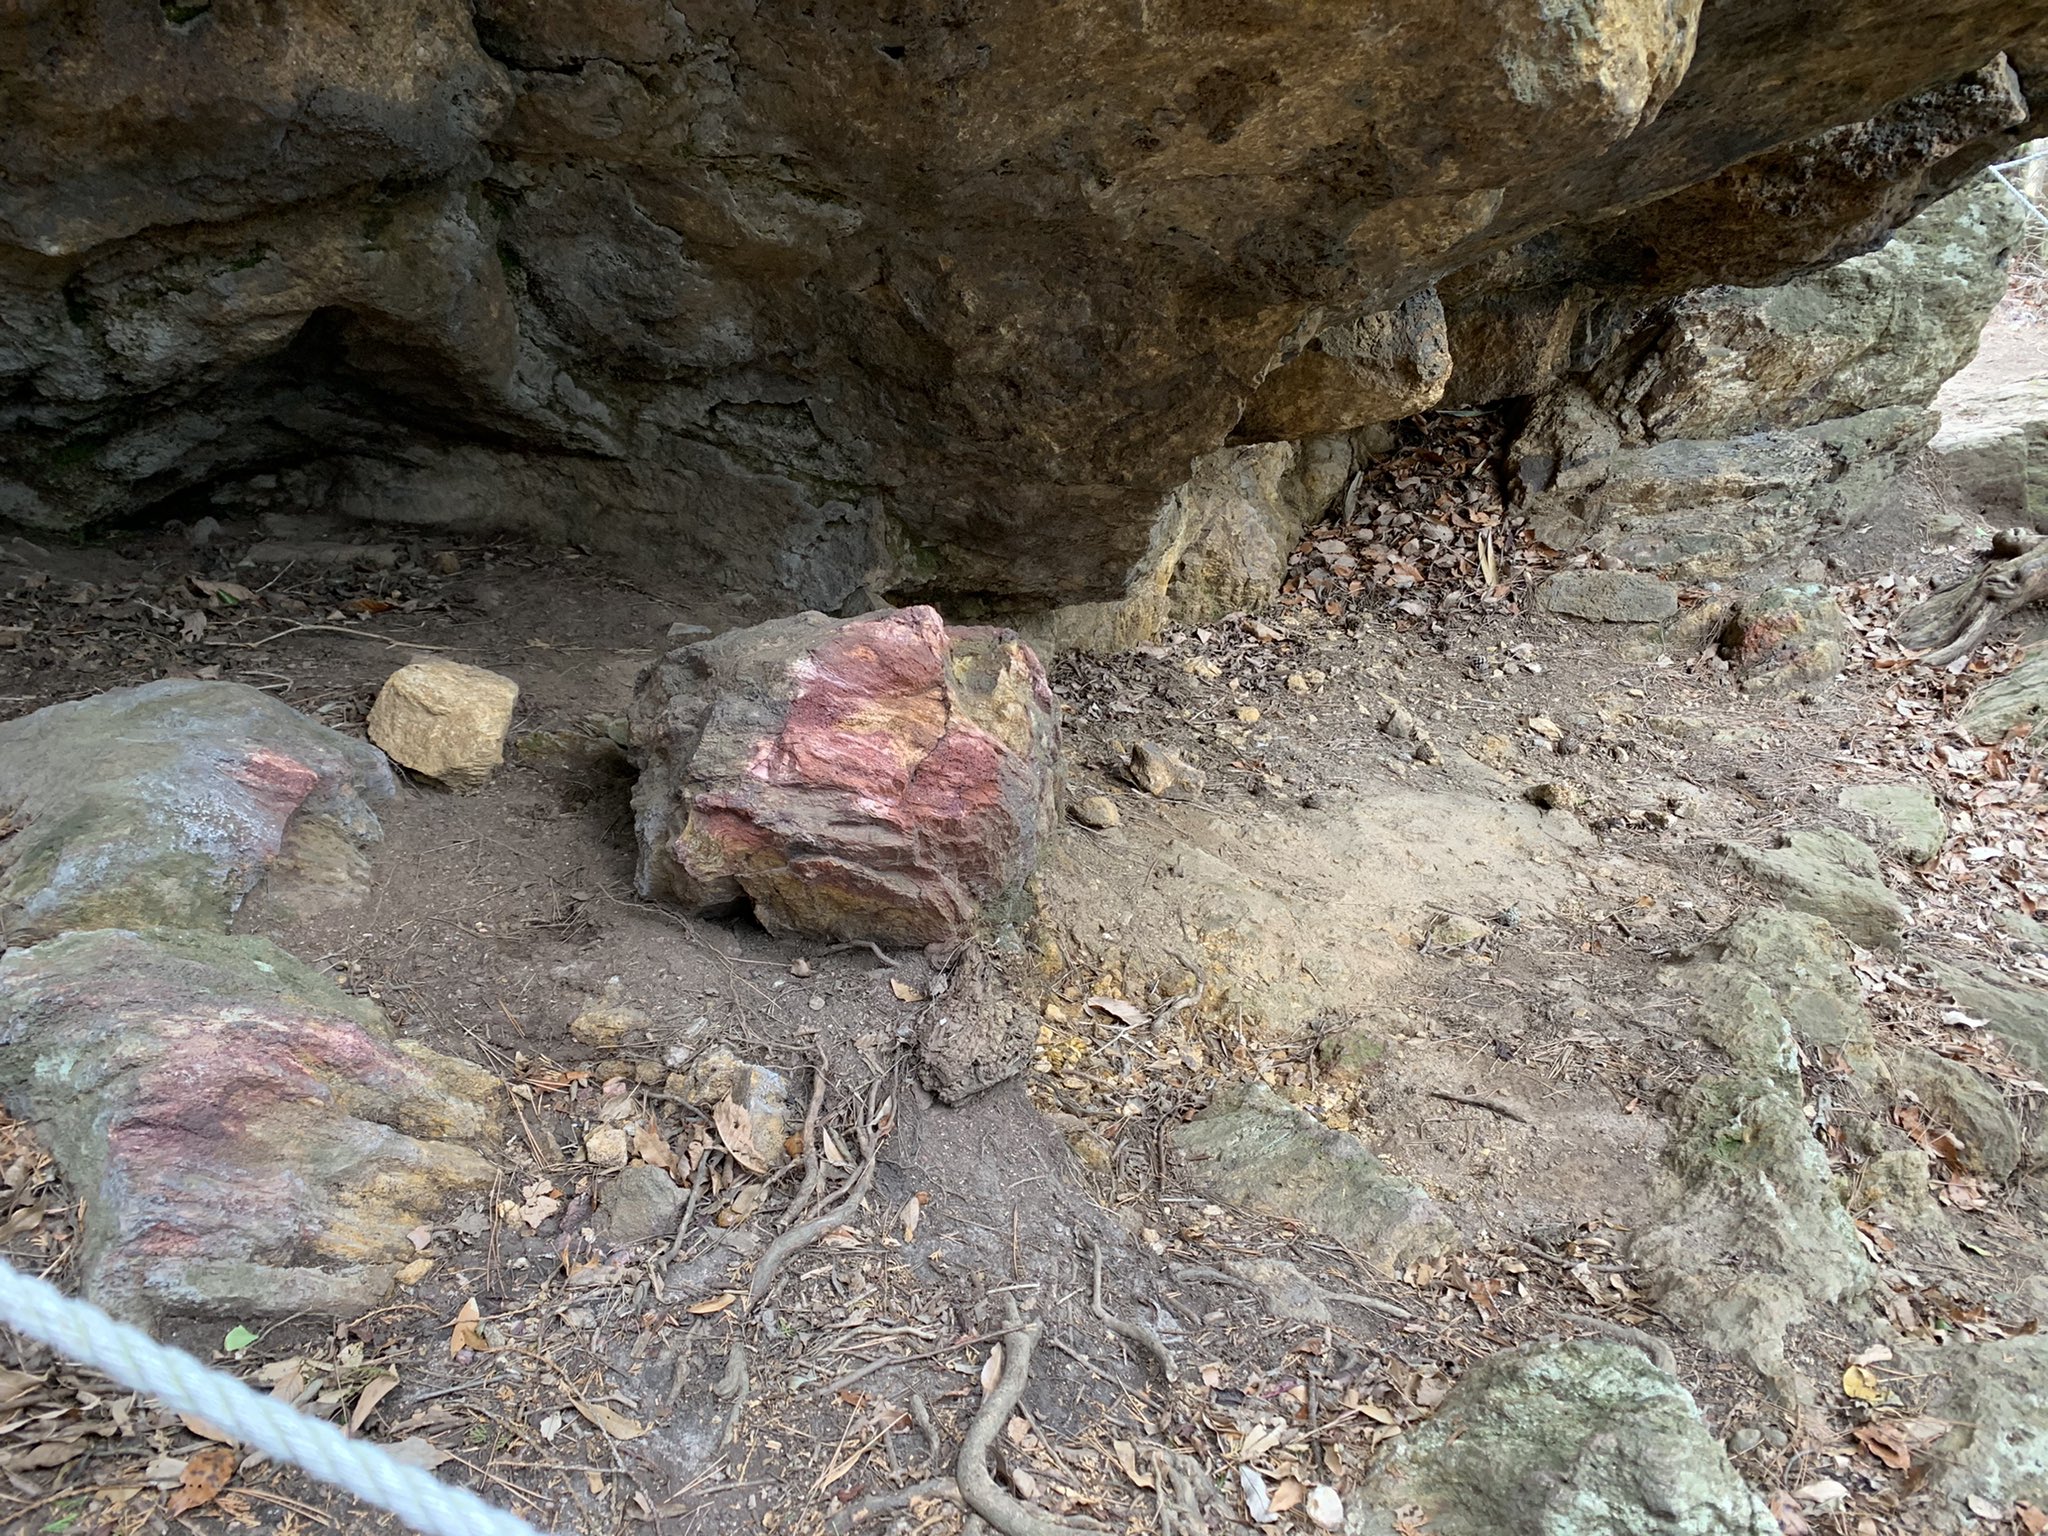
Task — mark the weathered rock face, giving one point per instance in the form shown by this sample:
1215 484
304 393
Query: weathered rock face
856 302
883 778
1730 426
166 803
247 1139
1253 1147
1566 1439
1993 444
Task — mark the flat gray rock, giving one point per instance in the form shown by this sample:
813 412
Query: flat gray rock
1612 597
1254 1149
1574 1438
1833 876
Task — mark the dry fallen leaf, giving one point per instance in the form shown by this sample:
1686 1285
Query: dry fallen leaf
905 992
992 1370
736 1132
1117 1008
415 1272
1887 1445
913 1212
714 1304
1861 1383
204 1430
206 1474
617 1425
375 1390
652 1148
1126 1455
465 1332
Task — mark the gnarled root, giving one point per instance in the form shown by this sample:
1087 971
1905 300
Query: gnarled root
1011 1516
1953 623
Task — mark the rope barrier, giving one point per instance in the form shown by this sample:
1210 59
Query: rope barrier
81 1332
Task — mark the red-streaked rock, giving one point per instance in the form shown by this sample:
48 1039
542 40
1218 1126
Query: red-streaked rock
167 803
247 1139
885 778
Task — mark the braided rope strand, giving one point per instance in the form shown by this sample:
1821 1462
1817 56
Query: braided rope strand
81 1332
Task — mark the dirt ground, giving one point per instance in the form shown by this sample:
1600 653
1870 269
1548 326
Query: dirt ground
1510 964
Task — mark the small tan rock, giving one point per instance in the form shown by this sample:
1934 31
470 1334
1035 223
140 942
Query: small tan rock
1097 811
1163 774
1555 795
444 719
605 1024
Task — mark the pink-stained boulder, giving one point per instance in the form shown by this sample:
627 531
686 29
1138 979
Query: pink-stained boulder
886 777
166 804
247 1140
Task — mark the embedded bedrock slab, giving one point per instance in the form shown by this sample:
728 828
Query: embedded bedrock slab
248 1140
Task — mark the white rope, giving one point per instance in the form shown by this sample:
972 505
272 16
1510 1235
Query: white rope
81 1332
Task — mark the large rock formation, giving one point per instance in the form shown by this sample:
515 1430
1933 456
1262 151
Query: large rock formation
856 301
1726 428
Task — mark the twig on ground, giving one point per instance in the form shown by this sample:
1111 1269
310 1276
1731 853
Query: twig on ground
1350 1298
1659 1352
893 1499
868 944
924 1354
814 1171
732 1388
332 629
978 1490
1136 1333
1496 1106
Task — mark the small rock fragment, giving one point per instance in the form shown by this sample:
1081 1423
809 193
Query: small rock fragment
604 1025
636 1204
444 719
1833 876
1097 811
1456 930
1554 795
1163 774
761 1092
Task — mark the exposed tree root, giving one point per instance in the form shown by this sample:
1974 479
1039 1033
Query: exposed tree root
1953 623
801 1237
1011 1516
1136 1333
814 1171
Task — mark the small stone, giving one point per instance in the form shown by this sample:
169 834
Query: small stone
1455 930
1296 683
1546 727
1097 811
636 1204
1613 597
1163 774
604 1025
762 1092
445 720
1555 795
203 532
605 1145
1401 724
447 562
1246 715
